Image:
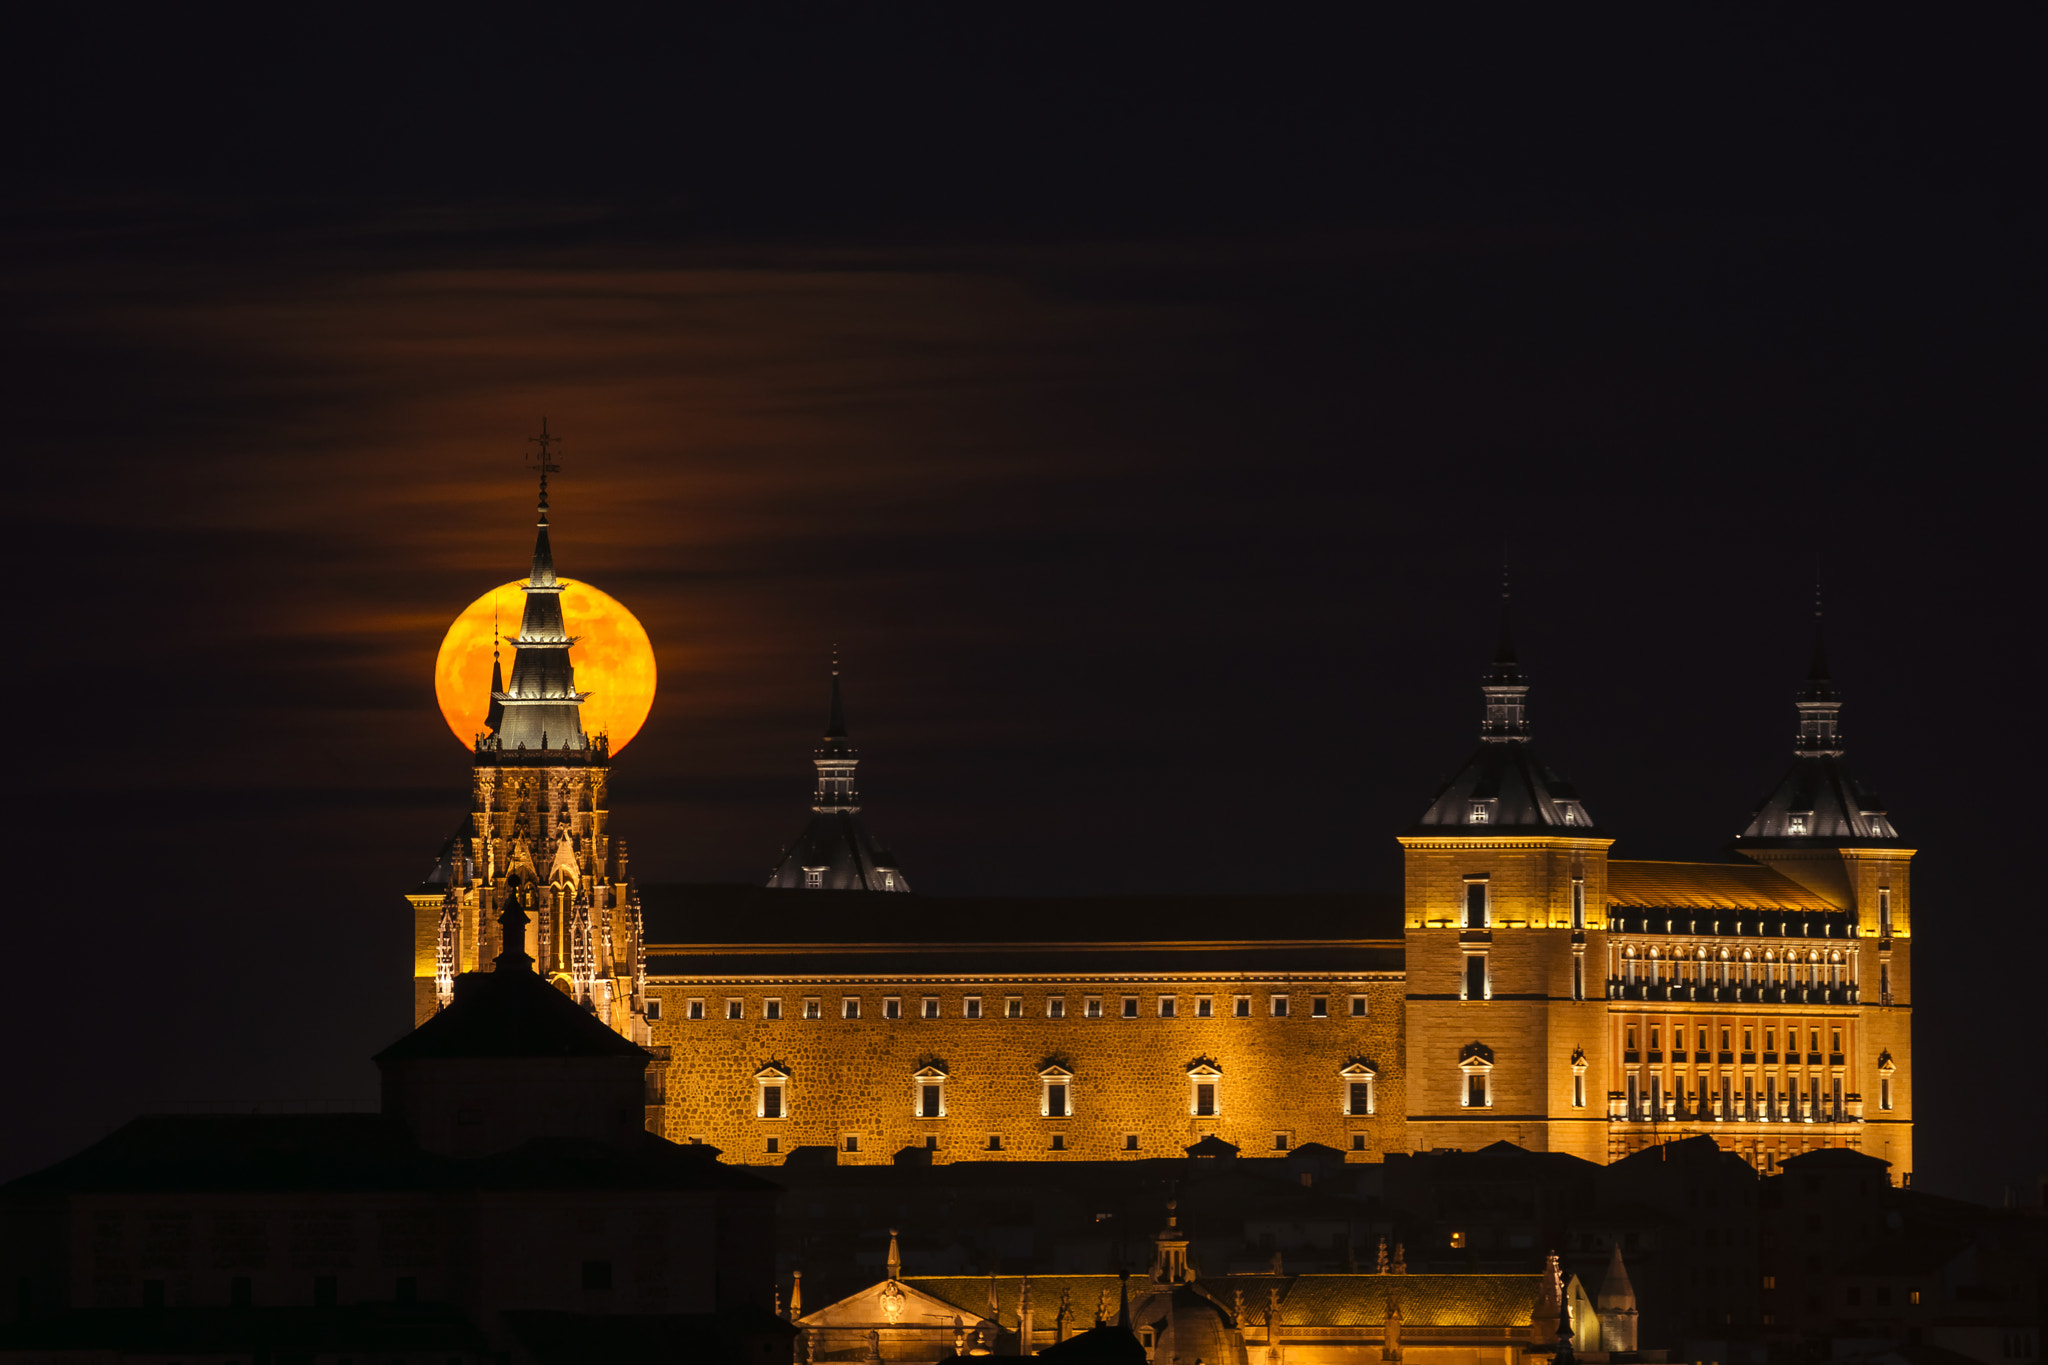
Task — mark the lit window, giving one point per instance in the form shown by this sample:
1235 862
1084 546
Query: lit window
1203 1084
1319 1007
1475 1090
1055 1085
770 1097
1013 1007
1457 1241
771 1009
1578 902
1279 1007
814 878
1205 1006
1055 1007
1168 1007
1475 902
930 1007
1795 824
1241 1006
695 1009
814 1008
1358 1089
1091 1007
1358 1007
1884 911
735 1009
929 1092
1130 1007
892 1007
1059 1142
970 1007
1570 813
849 1007
1480 815
1884 1092
853 1142
653 1010
888 881
1578 1090
1475 977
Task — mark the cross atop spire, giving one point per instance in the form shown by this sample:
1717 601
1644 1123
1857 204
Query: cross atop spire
544 461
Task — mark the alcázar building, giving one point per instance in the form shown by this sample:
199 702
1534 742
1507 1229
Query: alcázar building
1526 985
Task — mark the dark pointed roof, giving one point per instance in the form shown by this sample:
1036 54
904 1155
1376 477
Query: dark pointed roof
1818 802
835 843
1504 788
510 1012
540 705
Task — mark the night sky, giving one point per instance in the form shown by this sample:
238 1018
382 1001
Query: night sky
1146 408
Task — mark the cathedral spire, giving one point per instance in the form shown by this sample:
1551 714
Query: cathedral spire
541 707
1820 705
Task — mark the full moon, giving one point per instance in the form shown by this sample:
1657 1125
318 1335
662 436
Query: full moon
612 656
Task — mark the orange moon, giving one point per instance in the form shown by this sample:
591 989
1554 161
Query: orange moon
612 656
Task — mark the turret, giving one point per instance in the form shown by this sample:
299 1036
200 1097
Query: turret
835 852
540 707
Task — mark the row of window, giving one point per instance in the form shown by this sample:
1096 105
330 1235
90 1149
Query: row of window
1478 982
1055 1142
773 1095
1479 894
1633 1033
1761 1098
1279 1006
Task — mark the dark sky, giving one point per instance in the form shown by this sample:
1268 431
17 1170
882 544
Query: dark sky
1145 407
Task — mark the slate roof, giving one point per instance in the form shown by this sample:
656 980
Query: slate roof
510 1013
331 1153
1705 886
1524 795
1839 809
700 915
838 842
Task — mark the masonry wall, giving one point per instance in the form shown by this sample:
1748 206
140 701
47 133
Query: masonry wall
854 1078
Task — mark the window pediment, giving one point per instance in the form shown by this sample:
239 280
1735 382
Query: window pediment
929 1073
1358 1069
1475 1056
1055 1072
1204 1066
772 1071
1885 1065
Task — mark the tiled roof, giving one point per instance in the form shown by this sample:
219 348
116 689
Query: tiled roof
1305 1301
1706 886
510 1013
703 914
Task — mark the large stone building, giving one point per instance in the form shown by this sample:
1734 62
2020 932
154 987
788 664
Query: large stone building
1527 986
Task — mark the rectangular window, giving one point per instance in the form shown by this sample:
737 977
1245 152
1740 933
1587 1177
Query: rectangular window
1279 1007
1656 1037
1475 1090
1205 1099
771 1009
970 1007
1059 1142
1884 1092
695 1009
1835 1040
1168 1007
1205 1006
1241 1006
1319 1007
929 1007
1480 814
1884 983
774 1145
1475 903
853 1142
1884 911
1634 1096
653 1009
1130 1007
1091 1007
1578 902
1725 1036
849 1007
1279 1142
1358 1007
1770 1040
1475 976
1578 978
814 1008
995 1142
931 1101
1055 1007
1130 1142
771 1101
1359 1095
1013 1007
735 1009
1630 1042
814 878
1578 1090
892 1007
1055 1099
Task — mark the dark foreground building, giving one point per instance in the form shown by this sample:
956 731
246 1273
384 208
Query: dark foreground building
507 1204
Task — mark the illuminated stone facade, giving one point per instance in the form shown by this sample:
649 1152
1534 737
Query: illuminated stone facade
1528 989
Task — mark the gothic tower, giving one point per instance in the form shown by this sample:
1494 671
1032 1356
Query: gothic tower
1506 889
536 832
1828 832
835 852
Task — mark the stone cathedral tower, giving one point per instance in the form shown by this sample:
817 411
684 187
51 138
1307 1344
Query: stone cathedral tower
536 833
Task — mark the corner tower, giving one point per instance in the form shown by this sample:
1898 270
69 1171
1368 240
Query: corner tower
1506 894
835 852
536 832
1824 829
